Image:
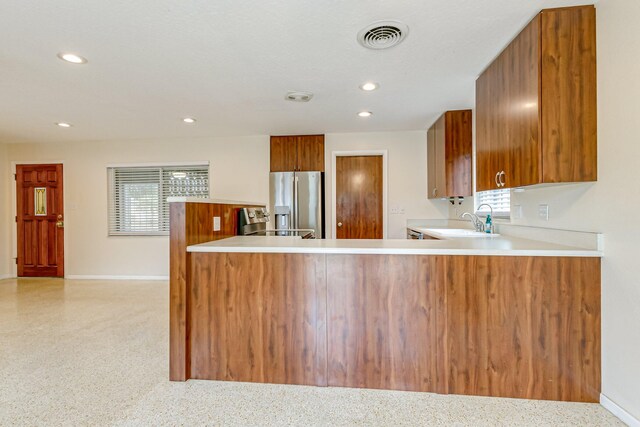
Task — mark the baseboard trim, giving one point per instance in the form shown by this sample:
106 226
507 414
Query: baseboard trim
616 410
109 277
7 276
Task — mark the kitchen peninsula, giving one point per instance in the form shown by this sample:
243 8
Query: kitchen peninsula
492 316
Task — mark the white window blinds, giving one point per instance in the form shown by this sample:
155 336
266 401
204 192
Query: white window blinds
138 196
500 201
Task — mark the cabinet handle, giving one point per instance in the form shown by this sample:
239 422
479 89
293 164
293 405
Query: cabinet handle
496 178
502 184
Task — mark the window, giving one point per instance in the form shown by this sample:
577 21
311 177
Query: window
138 196
500 201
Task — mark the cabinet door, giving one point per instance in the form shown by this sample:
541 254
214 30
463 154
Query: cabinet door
520 65
568 95
486 134
458 147
440 137
431 163
310 155
283 153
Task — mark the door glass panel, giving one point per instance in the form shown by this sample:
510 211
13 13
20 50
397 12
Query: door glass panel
40 201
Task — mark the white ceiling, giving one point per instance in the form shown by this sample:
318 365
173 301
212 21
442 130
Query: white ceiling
229 63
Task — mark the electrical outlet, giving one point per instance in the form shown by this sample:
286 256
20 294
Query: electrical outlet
543 212
396 210
216 223
517 211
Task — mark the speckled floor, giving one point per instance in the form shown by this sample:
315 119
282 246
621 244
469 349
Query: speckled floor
95 353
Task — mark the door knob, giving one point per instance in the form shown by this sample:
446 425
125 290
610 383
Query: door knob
339 224
60 222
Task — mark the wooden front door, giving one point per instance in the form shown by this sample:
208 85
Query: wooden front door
359 197
40 220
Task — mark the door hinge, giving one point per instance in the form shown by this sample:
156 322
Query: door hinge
16 260
15 176
16 218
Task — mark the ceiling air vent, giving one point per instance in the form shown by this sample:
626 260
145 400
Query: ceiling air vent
298 96
382 34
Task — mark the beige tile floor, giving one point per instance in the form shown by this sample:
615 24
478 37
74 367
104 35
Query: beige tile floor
95 353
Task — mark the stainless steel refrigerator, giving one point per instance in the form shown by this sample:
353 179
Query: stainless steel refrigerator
296 201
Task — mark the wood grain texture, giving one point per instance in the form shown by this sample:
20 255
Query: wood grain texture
536 104
284 153
258 318
458 153
190 224
40 243
297 153
440 138
568 94
486 106
523 327
521 125
310 153
431 163
381 322
359 196
449 154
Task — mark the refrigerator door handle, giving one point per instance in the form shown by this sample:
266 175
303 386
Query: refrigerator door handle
295 202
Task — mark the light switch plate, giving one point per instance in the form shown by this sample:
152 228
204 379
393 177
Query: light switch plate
543 212
216 223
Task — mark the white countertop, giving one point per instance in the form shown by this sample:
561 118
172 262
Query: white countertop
217 201
495 246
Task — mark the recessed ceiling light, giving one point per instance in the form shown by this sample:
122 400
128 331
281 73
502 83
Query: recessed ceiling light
72 57
369 86
63 124
365 113
189 120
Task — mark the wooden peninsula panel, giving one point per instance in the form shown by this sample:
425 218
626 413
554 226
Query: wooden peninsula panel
518 326
523 327
191 224
381 321
258 317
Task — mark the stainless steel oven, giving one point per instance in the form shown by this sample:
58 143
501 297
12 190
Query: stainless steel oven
255 222
414 235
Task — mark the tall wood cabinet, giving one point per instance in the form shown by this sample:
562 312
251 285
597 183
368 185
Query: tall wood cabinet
536 105
449 146
297 153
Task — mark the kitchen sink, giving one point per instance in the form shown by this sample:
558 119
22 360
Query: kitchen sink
444 233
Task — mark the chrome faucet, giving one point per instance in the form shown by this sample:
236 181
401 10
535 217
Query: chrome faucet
477 224
492 217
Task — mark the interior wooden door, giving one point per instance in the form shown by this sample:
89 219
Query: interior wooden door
39 191
359 194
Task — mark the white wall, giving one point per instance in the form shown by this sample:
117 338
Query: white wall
407 174
5 213
239 170
611 205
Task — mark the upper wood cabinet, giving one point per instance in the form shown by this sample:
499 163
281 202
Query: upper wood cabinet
536 105
297 153
449 146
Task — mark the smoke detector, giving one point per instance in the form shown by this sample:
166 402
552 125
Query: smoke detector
383 34
298 96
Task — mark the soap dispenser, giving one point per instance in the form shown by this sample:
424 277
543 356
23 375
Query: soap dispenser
488 226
